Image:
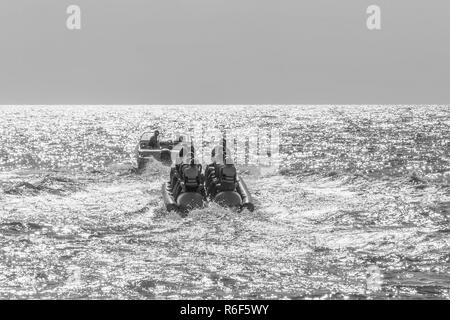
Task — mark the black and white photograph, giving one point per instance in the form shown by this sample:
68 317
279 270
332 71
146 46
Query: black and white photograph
212 150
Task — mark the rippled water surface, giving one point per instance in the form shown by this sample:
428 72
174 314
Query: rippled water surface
358 209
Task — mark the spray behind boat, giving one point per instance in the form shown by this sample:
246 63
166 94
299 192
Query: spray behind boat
189 188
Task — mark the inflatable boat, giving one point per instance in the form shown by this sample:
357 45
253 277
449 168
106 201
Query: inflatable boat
144 152
222 182
185 190
189 188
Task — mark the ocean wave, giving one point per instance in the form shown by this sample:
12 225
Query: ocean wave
57 185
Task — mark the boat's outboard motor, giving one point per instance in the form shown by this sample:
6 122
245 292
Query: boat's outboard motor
185 191
224 186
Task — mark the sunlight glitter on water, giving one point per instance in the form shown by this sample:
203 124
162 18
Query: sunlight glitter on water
358 187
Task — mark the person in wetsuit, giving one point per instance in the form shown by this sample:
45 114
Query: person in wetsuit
187 166
220 175
154 141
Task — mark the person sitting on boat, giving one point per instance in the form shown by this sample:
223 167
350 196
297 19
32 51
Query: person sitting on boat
189 169
154 141
184 156
221 174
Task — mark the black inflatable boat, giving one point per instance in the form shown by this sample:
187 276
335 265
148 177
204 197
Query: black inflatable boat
224 186
185 190
189 188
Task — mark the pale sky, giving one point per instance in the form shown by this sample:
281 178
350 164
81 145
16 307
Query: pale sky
224 52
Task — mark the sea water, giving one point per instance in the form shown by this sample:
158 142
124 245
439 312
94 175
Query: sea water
358 208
